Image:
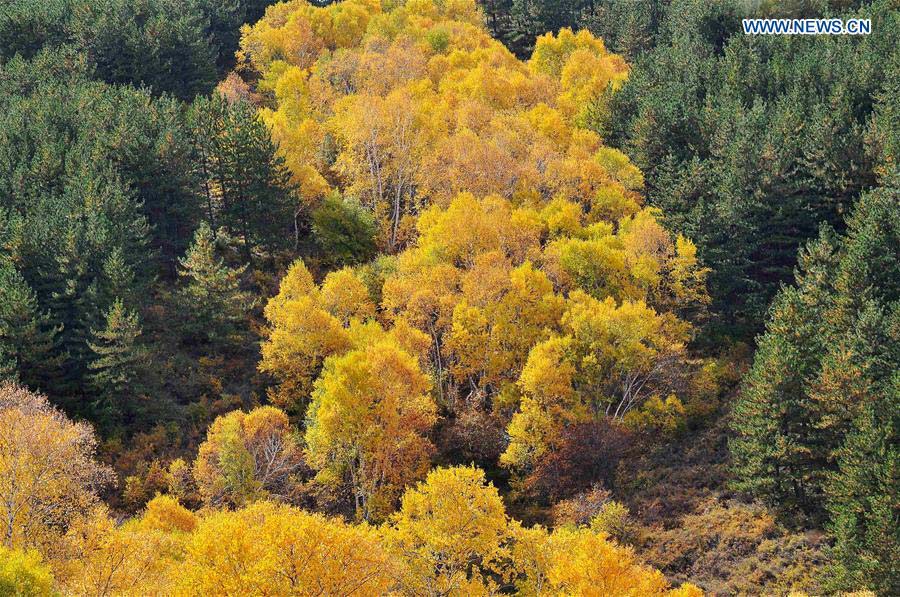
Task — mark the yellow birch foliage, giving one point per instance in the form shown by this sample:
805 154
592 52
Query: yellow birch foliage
48 475
102 558
247 456
270 549
24 573
510 312
301 334
520 248
587 563
487 182
449 534
367 423
452 537
346 297
409 104
606 365
165 513
584 69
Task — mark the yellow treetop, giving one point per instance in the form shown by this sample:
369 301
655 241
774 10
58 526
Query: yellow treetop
408 104
367 422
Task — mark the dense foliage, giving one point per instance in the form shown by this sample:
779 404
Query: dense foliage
817 423
176 47
445 523
758 140
747 143
424 297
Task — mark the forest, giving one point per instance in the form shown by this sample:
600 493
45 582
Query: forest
448 297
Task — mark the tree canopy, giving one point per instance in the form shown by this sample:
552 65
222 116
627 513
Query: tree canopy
447 297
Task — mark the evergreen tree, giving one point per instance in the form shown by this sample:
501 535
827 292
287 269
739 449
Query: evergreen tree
884 130
26 336
49 143
161 44
759 139
63 240
859 394
627 27
531 18
225 19
94 204
823 378
775 451
247 187
119 280
26 26
211 303
118 363
154 150
865 516
204 32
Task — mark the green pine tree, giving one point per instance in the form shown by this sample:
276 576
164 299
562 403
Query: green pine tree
26 335
830 350
211 304
246 184
117 365
884 129
862 501
160 44
225 19
756 141
775 451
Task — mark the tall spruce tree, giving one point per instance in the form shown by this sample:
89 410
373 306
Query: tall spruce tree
777 454
246 186
94 204
758 139
26 335
863 506
160 44
212 306
26 26
224 21
118 363
816 423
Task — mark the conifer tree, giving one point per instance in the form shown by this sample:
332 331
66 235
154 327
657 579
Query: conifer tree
865 518
719 148
116 369
816 421
225 19
119 280
28 25
774 452
26 336
160 44
246 185
211 302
